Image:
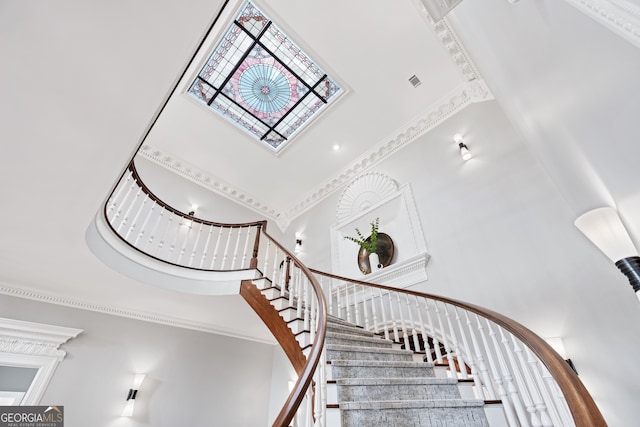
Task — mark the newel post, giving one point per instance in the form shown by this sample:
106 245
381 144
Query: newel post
256 244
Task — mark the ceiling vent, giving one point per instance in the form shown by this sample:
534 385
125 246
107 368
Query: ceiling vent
439 8
415 81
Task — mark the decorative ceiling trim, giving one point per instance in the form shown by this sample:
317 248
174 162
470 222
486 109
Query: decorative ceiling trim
38 295
211 182
619 16
464 95
451 43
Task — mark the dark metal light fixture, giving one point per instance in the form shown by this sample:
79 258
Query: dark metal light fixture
464 150
605 229
131 396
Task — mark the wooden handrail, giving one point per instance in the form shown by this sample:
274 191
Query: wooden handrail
290 407
152 196
262 224
583 409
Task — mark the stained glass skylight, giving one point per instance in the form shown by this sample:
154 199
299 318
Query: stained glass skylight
259 79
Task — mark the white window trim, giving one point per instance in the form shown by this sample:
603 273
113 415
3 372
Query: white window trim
33 345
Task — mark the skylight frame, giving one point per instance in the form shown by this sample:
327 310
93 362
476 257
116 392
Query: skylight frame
217 84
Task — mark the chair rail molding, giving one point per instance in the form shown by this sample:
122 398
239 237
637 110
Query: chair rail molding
33 345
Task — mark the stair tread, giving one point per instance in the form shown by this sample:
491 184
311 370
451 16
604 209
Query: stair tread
382 363
341 347
361 338
397 381
407 404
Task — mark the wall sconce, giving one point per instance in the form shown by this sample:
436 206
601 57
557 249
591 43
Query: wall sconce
558 346
605 229
298 247
131 396
464 150
193 210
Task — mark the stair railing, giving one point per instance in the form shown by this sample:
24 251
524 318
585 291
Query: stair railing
306 297
505 360
150 226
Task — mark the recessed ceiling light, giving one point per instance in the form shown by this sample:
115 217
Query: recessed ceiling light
336 147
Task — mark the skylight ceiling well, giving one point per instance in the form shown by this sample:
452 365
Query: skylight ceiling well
259 79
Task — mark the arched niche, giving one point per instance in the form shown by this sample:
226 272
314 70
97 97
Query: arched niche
375 195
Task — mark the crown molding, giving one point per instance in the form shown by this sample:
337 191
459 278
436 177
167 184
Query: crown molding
465 95
620 16
38 295
207 180
451 43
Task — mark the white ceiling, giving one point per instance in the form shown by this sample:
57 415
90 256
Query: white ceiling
371 52
82 81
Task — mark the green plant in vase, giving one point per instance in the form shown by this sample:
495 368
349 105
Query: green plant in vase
369 244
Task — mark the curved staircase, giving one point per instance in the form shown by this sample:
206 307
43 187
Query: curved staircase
347 338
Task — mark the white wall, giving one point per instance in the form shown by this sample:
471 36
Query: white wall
282 373
501 236
193 378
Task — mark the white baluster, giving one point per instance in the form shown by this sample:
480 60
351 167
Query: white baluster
462 367
169 219
396 335
502 392
154 229
479 358
134 222
372 300
347 306
143 227
237 246
530 384
425 341
225 255
205 249
506 375
130 206
129 189
194 247
445 341
365 303
215 249
522 387
561 403
189 225
432 332
414 333
405 336
305 302
554 412
178 220
355 306
245 252
477 389
114 200
383 310
265 266
339 300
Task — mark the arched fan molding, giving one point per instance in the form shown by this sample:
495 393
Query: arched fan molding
364 192
375 195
